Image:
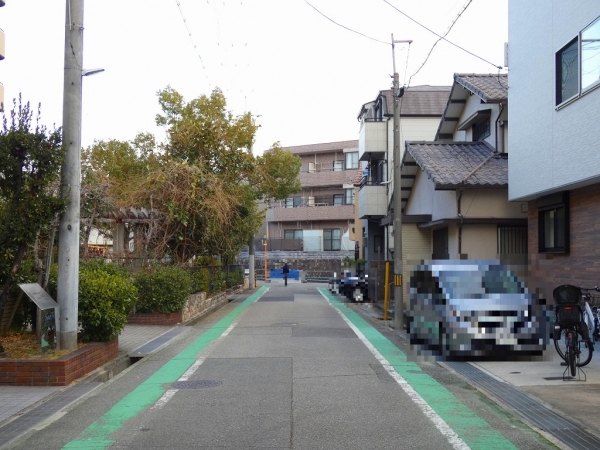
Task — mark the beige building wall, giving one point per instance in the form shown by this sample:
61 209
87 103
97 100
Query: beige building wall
491 203
480 241
416 247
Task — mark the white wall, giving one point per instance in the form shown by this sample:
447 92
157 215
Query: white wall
550 150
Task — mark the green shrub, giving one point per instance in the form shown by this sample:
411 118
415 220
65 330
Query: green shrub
106 298
235 278
200 280
163 289
217 281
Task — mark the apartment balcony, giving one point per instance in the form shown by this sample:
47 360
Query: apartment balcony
327 177
372 140
372 201
320 212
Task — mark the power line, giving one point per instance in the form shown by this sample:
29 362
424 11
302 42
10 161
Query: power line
189 33
441 37
345 27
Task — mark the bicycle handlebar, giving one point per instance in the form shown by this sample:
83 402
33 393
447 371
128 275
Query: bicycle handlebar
595 288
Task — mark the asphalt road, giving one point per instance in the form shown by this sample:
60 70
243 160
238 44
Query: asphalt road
286 368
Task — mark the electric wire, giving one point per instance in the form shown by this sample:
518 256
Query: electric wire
345 27
189 33
464 8
443 38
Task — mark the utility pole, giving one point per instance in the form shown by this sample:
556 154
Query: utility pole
68 239
251 280
398 266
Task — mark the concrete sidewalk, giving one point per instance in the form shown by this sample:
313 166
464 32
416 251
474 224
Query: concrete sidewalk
17 400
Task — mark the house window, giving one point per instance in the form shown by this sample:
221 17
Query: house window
332 239
567 72
338 199
292 234
481 130
352 160
553 223
293 202
338 166
590 55
578 64
350 196
512 240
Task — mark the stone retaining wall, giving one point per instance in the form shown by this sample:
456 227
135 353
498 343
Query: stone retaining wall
196 306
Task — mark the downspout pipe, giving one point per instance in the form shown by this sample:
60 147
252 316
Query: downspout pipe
460 223
500 111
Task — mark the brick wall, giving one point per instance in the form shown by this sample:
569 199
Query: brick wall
58 372
581 266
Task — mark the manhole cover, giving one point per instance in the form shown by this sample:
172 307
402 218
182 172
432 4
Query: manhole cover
196 384
284 324
514 372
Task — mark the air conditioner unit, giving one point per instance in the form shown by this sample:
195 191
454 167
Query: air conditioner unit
311 201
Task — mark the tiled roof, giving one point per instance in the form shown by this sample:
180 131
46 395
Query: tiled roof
492 88
453 164
321 148
420 100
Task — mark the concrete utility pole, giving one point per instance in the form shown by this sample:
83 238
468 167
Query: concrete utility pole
398 266
251 254
68 238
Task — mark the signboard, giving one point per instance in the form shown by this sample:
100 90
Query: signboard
38 296
43 301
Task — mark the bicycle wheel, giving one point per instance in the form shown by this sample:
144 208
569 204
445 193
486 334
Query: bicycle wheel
570 353
559 345
585 355
585 352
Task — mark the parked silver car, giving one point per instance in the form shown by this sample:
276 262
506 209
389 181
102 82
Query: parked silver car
474 308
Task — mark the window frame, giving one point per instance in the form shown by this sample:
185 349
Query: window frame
579 41
349 196
549 218
332 240
483 130
338 165
351 161
295 233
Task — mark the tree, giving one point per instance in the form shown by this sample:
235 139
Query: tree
206 184
30 161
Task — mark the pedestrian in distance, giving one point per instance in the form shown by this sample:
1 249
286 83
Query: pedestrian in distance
286 271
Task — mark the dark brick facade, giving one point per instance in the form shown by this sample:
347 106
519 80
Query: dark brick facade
61 371
581 265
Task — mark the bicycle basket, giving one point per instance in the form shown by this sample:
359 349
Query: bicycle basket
568 315
567 295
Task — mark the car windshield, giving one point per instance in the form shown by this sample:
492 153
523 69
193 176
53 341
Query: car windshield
477 284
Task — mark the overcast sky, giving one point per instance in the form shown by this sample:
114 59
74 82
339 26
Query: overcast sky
305 76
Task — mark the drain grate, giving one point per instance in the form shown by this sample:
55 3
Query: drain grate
534 411
196 384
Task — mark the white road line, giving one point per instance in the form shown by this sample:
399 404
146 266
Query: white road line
454 440
168 395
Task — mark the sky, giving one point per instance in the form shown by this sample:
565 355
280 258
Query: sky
301 75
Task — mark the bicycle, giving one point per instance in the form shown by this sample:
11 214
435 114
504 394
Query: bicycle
571 330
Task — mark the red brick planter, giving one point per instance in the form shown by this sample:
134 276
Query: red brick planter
61 371
155 318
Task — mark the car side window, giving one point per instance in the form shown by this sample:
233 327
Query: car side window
426 285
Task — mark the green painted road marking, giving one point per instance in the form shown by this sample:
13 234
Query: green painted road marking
97 435
469 427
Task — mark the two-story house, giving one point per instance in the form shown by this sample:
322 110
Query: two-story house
554 63
455 188
320 217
